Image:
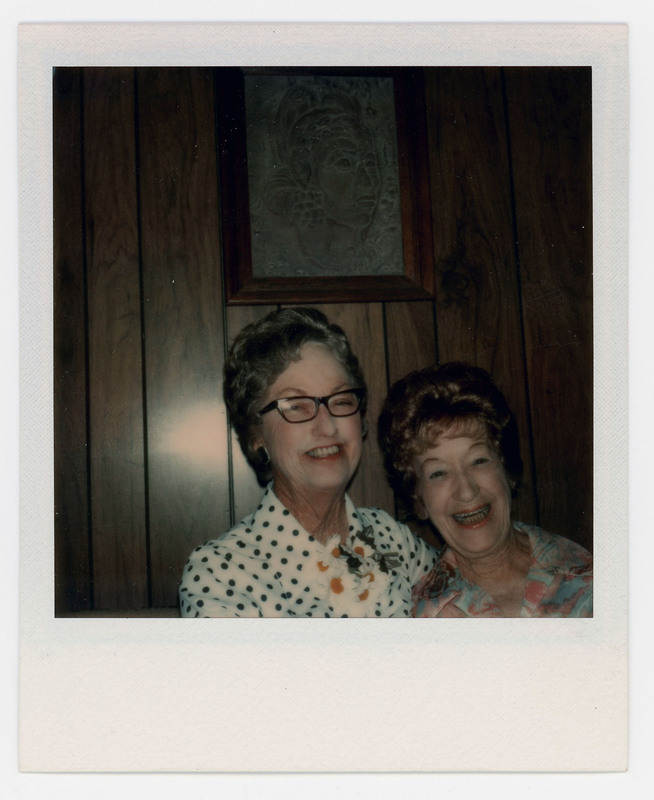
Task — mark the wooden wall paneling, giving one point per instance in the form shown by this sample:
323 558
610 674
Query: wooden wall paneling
72 551
472 213
183 320
364 325
410 337
246 491
550 128
115 396
477 294
410 344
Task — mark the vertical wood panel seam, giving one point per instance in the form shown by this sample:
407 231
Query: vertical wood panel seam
144 384
228 422
434 315
86 335
521 315
387 366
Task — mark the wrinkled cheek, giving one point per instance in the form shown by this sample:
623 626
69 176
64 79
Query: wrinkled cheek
449 534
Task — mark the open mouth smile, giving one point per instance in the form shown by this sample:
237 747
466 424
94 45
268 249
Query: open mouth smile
324 452
472 518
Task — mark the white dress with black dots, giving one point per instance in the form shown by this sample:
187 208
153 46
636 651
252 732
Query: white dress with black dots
269 566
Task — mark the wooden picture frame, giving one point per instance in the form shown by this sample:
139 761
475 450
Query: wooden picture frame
282 245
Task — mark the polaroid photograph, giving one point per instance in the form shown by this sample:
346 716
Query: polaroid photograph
248 516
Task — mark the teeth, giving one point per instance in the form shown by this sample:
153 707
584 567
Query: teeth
322 452
472 516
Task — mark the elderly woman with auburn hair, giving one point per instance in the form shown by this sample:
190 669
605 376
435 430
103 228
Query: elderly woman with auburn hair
451 448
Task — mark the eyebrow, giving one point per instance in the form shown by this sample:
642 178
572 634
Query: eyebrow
479 443
289 390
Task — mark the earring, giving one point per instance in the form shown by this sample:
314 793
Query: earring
263 456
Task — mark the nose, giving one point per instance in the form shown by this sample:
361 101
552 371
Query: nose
366 179
363 179
323 422
465 488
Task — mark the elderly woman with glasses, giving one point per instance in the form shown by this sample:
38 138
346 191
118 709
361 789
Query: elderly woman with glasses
296 396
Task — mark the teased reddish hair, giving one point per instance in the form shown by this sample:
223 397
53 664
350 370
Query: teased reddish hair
428 402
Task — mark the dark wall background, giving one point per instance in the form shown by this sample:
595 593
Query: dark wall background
145 465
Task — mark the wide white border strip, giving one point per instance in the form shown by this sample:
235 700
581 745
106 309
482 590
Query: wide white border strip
362 43
237 695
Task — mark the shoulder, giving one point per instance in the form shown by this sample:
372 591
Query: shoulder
237 540
415 552
384 525
240 534
556 553
377 516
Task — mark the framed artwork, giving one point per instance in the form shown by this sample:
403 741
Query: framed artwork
324 185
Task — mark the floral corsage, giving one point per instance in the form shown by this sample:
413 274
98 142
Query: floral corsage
354 574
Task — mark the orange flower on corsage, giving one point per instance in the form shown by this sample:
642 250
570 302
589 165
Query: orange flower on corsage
355 574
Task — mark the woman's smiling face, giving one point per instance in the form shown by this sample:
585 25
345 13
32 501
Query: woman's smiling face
322 454
465 492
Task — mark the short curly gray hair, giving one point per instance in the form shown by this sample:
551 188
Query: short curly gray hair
259 355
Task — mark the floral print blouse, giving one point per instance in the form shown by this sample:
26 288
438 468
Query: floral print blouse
559 583
270 566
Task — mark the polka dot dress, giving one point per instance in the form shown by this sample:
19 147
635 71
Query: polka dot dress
269 566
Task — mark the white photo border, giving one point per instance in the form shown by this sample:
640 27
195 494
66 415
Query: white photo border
323 695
